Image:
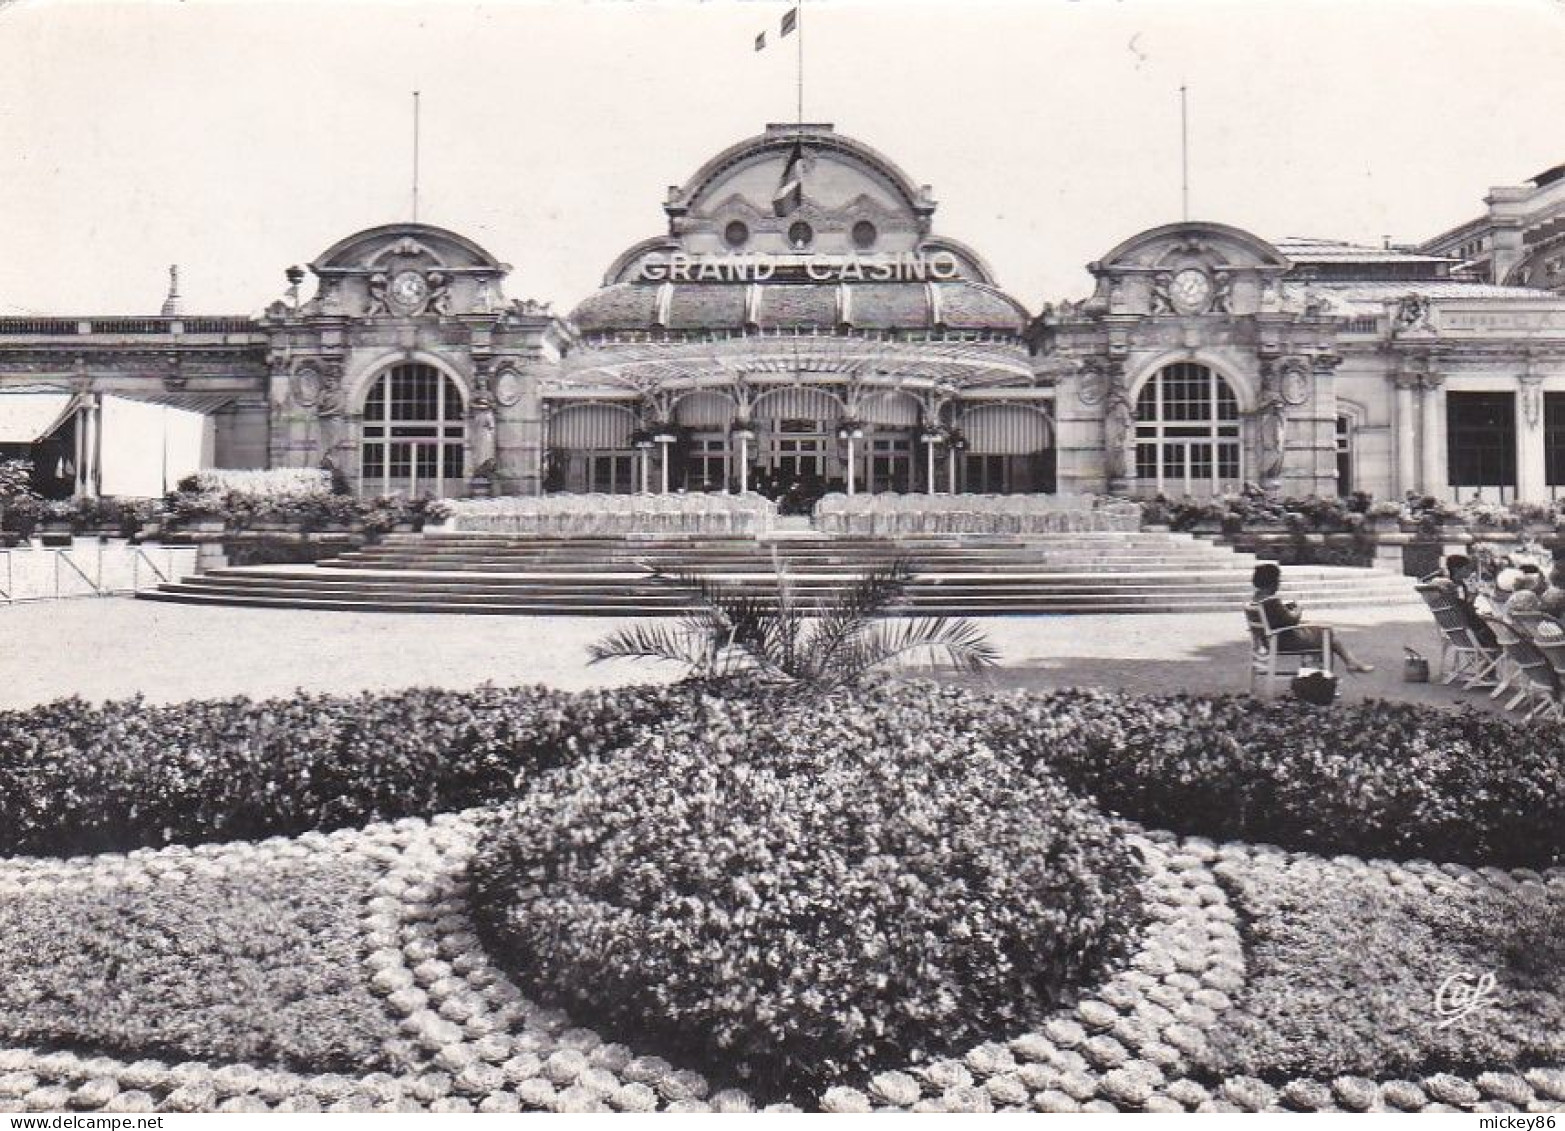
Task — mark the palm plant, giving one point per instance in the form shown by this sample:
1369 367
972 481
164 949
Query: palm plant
823 643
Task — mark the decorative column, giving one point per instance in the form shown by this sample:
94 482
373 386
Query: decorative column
1406 434
1434 479
1119 428
1530 458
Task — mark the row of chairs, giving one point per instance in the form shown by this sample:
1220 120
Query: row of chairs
1526 662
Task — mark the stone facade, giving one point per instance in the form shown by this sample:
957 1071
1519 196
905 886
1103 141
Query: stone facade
800 315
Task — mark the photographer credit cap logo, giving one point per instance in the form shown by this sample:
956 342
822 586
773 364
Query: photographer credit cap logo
1461 995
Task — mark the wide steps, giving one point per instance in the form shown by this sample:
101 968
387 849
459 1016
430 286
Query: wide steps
985 576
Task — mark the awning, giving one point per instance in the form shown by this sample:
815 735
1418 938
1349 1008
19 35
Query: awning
26 418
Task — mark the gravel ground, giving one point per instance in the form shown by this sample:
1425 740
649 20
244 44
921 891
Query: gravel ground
115 647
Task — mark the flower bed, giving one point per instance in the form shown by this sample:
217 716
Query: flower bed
1347 959
800 892
80 778
193 960
471 1040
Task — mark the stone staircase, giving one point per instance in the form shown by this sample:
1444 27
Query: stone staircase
1144 572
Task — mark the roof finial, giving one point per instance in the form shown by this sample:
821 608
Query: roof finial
172 306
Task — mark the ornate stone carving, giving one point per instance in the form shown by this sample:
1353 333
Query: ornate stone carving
507 387
1532 399
1294 380
1412 312
439 293
1272 416
379 304
1093 384
1222 292
1162 301
482 412
330 402
305 385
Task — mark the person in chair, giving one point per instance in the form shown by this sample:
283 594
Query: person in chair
1280 614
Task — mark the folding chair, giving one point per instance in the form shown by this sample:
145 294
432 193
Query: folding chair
1462 654
1535 683
1549 638
1270 661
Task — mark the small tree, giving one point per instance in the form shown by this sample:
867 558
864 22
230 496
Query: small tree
821 644
16 484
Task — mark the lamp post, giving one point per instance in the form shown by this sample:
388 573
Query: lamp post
642 442
663 439
931 436
744 433
851 431
958 444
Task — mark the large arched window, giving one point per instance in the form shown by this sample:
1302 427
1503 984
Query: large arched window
1187 432
414 434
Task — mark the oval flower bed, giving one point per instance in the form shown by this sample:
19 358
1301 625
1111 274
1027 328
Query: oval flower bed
795 892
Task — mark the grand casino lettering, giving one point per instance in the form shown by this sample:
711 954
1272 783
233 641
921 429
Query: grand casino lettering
904 267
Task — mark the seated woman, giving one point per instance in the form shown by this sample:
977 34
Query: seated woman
1285 615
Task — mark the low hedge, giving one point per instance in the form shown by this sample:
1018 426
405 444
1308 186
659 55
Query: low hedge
1371 779
78 778
797 891
1375 779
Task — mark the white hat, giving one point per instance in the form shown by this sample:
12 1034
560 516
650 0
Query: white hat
1507 580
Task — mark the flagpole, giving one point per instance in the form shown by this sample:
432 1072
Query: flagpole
799 32
415 157
1184 150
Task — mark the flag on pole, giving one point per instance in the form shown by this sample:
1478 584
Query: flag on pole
760 42
790 20
790 189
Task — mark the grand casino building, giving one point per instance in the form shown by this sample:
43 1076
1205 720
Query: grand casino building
799 319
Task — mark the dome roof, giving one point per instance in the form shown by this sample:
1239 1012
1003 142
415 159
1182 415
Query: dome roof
948 305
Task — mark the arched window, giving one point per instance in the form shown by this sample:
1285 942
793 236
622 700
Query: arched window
414 434
1187 432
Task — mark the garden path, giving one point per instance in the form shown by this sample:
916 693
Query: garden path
104 648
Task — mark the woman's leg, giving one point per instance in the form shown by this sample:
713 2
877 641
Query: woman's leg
1342 653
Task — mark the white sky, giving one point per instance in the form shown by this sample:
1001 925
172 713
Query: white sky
237 138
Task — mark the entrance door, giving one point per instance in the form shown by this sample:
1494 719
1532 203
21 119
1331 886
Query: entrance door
414 468
890 466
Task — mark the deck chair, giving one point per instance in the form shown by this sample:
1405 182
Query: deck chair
1463 656
1271 662
1549 638
1535 685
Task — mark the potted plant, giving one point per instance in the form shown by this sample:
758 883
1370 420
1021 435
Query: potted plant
1384 517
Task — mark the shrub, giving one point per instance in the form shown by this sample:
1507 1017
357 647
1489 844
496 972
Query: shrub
795 891
76 778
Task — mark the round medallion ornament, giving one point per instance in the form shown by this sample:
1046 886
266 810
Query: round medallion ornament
1093 387
307 387
1190 291
1295 382
508 388
409 290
